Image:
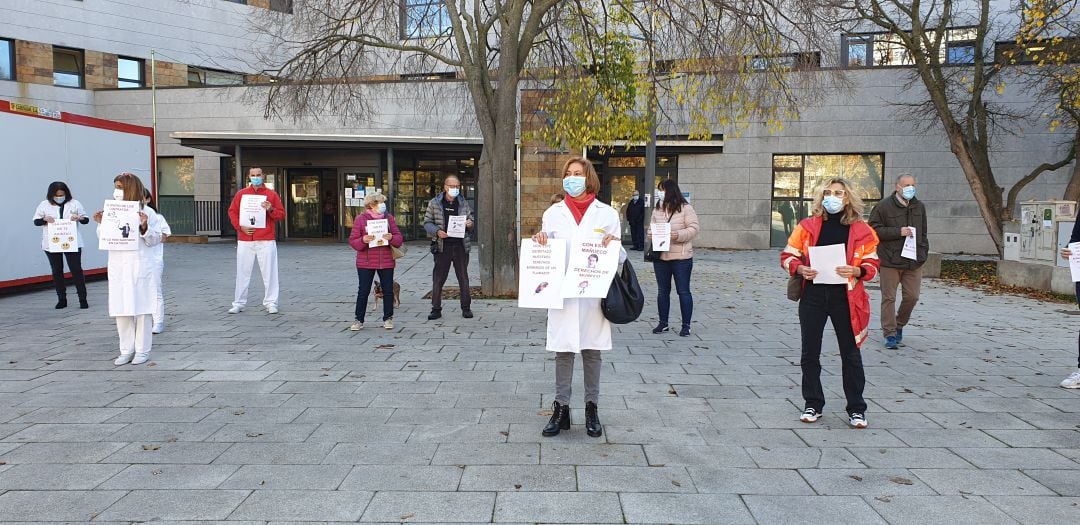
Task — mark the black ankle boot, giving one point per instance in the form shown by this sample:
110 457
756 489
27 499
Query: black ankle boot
560 419
83 304
62 303
592 421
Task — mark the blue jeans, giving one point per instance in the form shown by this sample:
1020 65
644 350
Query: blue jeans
386 280
680 270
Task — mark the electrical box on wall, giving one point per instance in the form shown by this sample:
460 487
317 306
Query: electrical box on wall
1039 224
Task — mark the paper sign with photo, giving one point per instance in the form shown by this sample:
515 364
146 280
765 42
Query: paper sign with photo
378 227
541 274
661 236
119 228
63 236
456 226
911 250
252 214
591 268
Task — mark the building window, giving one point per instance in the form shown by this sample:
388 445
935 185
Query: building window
789 61
7 59
423 18
797 179
198 76
129 73
176 193
886 49
857 51
67 67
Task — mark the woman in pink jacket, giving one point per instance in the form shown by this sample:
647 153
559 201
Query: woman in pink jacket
374 259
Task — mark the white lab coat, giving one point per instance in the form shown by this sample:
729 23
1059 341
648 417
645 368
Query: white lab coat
580 325
47 208
132 282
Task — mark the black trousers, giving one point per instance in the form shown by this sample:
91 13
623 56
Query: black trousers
820 303
637 235
456 255
74 261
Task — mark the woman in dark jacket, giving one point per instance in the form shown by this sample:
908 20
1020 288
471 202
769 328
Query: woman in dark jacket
374 259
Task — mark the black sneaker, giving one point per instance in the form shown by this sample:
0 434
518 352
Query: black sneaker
435 314
466 314
660 328
809 415
685 331
857 420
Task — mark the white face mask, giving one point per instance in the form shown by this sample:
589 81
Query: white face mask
118 194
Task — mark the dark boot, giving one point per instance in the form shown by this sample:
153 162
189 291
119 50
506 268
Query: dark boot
560 419
62 303
592 421
83 304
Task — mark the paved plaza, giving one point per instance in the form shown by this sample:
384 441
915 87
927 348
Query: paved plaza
256 418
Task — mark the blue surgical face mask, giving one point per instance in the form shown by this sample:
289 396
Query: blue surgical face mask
659 196
908 192
256 181
832 204
381 207
453 192
59 200
573 186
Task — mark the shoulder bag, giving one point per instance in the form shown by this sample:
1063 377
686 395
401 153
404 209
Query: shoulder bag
795 287
398 252
650 255
625 299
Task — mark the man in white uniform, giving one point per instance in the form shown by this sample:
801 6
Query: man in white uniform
256 244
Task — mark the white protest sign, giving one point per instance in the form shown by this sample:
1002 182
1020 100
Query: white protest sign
825 259
911 250
590 269
661 236
542 271
378 227
119 229
252 214
456 226
63 236
1074 261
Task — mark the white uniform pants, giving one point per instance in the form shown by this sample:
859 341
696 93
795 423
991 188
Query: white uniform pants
136 333
159 310
265 252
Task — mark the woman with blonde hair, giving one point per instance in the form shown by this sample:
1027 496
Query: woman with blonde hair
580 326
836 218
132 284
371 260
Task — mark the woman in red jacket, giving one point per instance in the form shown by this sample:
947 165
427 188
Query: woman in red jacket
373 256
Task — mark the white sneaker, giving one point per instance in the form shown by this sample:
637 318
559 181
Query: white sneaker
809 415
271 310
158 328
388 324
140 359
356 326
1073 381
236 309
857 420
123 359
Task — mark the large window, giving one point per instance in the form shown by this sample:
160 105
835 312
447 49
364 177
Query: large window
129 73
68 67
886 49
797 178
7 59
423 18
176 193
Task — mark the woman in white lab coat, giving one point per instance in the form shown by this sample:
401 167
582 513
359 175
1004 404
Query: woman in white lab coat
159 271
132 292
580 326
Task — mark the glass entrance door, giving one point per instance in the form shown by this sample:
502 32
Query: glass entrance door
304 204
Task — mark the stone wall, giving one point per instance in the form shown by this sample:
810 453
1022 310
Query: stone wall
33 62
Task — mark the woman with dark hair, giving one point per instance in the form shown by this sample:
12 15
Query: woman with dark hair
678 261
132 292
159 256
59 205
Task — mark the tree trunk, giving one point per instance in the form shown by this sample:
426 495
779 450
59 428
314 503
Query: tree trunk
987 194
497 199
1072 190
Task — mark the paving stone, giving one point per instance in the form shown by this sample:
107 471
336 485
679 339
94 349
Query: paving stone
161 415
558 507
848 437
346 416
1063 482
1038 438
69 415
471 507
865 482
1040 509
487 454
273 453
684 508
231 375
302 505
56 476
634 479
828 510
748 481
179 452
169 505
1015 458
381 454
460 434
715 456
165 432
45 432
360 433
988 482
544 478
327 399
947 438
287 477
946 510
903 457
61 452
266 432
160 477
591 454
650 436
415 478
56 505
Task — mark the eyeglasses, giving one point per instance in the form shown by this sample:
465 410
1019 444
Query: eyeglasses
837 193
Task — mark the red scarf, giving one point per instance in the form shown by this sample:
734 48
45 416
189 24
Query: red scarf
577 209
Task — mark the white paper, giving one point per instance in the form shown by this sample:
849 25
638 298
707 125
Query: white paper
1074 261
910 250
825 259
591 268
661 236
119 228
456 226
252 214
348 193
542 271
63 236
378 227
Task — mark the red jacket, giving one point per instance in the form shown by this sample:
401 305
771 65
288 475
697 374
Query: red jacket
378 258
861 251
276 213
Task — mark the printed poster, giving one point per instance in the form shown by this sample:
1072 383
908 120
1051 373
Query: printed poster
911 249
1074 261
590 269
252 214
661 236
119 228
63 236
456 226
542 269
378 227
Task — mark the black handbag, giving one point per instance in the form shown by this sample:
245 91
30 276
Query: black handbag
625 299
795 287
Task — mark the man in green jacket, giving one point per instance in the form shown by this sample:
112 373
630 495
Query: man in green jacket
897 219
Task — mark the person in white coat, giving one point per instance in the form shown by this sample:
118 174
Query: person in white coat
59 205
159 271
132 292
580 326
